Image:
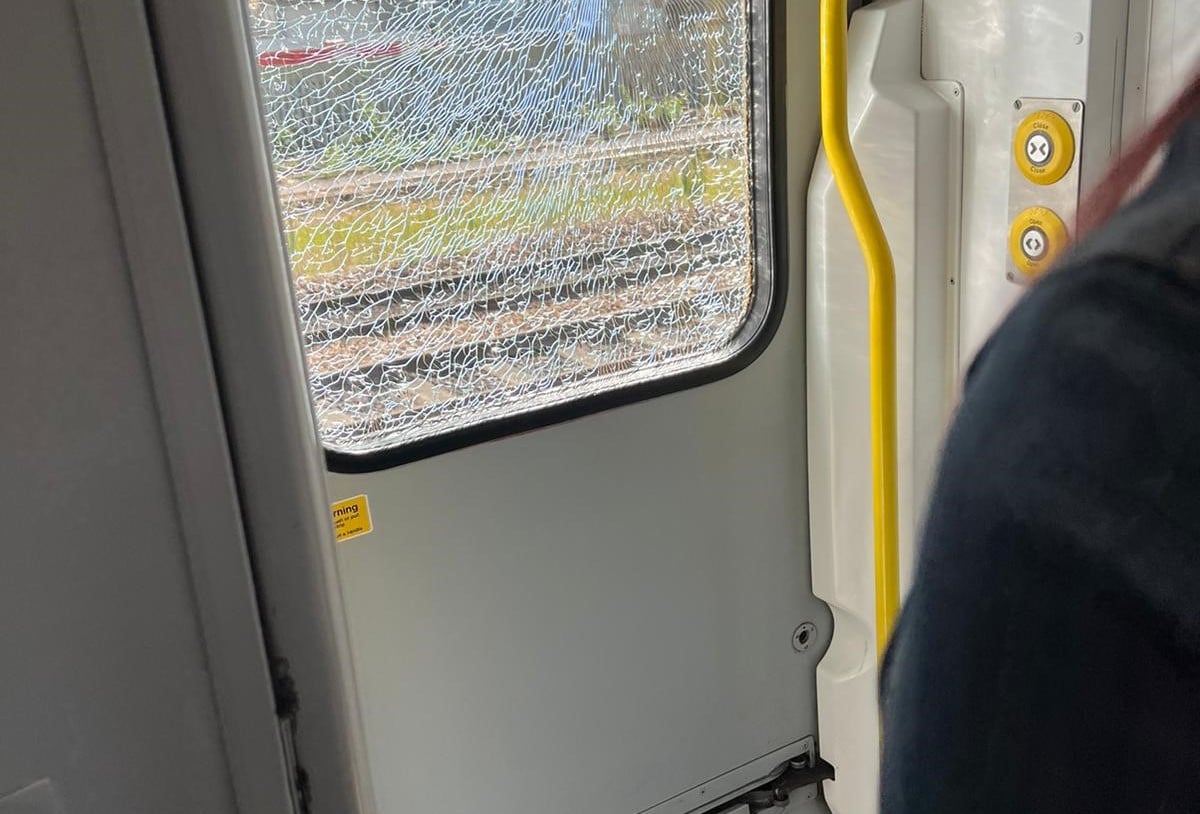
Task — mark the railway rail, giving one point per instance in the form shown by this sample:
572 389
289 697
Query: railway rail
488 171
376 360
590 349
455 296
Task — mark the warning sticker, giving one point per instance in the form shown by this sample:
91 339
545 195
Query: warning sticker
351 518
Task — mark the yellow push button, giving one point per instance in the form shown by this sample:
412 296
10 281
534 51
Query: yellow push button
1044 147
1038 235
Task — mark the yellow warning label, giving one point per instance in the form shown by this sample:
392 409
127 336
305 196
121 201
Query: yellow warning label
351 518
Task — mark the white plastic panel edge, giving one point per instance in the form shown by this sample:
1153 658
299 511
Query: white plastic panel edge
908 136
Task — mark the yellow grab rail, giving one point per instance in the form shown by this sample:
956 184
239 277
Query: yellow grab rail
881 274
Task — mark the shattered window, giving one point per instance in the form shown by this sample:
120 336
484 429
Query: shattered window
497 206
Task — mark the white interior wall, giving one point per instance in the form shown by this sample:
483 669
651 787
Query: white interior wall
1002 50
1174 50
997 51
133 676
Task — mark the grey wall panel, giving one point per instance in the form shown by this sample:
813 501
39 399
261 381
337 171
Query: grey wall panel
37 798
104 685
128 103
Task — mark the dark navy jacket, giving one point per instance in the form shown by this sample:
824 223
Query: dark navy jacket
1048 658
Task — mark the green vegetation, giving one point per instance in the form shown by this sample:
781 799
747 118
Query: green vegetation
368 139
404 232
644 113
371 140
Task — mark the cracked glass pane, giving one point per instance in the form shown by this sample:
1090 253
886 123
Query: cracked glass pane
497 206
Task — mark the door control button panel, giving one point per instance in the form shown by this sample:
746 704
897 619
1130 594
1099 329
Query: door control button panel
1038 235
1043 184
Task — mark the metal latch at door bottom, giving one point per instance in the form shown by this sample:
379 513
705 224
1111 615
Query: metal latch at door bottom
806 771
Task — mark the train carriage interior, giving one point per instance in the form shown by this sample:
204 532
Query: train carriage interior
504 406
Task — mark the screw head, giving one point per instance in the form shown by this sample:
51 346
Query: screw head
804 637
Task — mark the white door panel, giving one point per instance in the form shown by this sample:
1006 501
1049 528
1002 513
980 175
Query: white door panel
598 616
601 610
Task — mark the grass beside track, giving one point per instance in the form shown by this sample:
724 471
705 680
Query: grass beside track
405 232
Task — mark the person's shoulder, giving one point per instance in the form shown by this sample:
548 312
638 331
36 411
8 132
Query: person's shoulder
1089 274
1083 416
1110 307
1102 356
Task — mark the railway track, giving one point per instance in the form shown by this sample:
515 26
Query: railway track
503 331
456 296
481 173
379 362
396 402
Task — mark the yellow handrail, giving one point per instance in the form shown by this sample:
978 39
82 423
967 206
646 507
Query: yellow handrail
881 276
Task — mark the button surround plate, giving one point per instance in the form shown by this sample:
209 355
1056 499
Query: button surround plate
1060 197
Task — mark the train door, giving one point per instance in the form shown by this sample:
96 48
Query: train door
538 334
548 262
